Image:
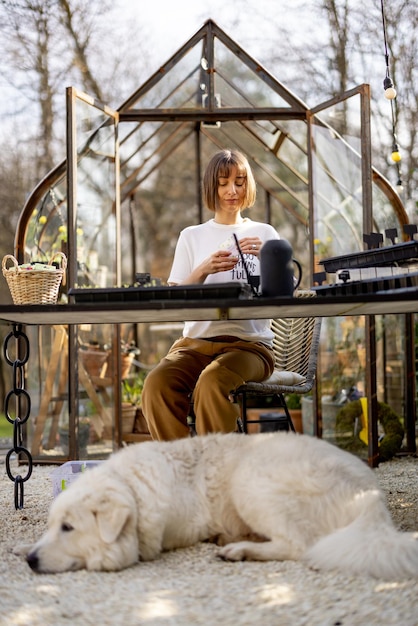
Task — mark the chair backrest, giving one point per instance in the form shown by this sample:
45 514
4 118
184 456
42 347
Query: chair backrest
292 343
296 344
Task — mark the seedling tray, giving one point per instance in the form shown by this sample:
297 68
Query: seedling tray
400 253
218 291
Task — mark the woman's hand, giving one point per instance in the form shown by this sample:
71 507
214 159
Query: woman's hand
220 261
250 245
223 260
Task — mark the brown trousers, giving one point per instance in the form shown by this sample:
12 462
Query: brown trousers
211 369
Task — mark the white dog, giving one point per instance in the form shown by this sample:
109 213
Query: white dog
264 497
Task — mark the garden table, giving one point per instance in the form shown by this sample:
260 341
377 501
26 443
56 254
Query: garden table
397 301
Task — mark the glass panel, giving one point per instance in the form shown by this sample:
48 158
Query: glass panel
239 86
337 183
47 228
96 227
58 417
49 430
165 184
187 84
95 217
175 89
384 216
338 230
338 204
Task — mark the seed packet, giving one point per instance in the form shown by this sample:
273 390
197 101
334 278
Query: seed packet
229 245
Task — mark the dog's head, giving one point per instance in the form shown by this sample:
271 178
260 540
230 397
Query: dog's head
88 528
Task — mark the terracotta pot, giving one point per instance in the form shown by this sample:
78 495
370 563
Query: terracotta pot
93 361
128 417
296 415
126 360
126 363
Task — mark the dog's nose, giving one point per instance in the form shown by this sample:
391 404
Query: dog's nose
33 561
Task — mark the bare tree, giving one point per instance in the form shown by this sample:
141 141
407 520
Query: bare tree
345 47
401 19
30 41
15 177
46 46
79 25
50 44
337 14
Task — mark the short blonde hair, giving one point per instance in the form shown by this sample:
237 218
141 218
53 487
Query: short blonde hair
220 166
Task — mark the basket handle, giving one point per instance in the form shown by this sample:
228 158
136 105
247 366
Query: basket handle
63 264
63 259
6 258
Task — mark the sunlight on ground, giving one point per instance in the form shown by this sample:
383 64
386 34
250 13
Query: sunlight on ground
277 594
48 590
390 585
158 607
27 616
31 614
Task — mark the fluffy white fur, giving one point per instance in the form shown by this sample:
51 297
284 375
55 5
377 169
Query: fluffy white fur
264 497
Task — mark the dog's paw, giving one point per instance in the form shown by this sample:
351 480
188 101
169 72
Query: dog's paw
232 552
22 550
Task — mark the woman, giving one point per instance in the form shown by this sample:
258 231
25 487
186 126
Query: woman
213 358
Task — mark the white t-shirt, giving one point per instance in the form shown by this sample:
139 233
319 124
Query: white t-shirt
197 243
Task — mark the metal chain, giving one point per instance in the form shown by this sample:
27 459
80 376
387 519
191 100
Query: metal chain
19 393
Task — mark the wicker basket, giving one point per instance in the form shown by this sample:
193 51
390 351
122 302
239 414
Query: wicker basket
34 286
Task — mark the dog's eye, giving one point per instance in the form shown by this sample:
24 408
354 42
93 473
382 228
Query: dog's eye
66 528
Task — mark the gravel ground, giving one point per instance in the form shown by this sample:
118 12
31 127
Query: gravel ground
191 586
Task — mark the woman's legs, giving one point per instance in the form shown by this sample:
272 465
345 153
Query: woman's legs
236 364
212 369
167 389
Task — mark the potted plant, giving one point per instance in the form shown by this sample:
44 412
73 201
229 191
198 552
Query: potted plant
94 357
128 351
131 404
294 405
350 418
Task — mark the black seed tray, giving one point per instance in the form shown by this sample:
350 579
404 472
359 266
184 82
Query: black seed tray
364 287
399 253
148 294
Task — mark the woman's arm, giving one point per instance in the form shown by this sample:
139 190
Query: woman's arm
219 261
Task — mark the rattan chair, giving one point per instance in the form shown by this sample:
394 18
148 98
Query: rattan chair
296 345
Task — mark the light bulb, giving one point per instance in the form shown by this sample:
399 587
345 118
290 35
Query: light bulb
390 93
396 155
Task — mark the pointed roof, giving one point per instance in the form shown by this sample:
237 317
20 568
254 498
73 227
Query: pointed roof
214 79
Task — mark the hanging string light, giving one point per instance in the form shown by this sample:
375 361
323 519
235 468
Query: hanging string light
390 94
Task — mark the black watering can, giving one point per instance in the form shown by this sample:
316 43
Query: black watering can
276 269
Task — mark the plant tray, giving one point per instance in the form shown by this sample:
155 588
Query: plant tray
374 285
401 253
67 473
217 291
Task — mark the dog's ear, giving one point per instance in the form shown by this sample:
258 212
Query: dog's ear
112 515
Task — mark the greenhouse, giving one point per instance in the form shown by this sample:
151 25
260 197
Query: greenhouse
132 180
